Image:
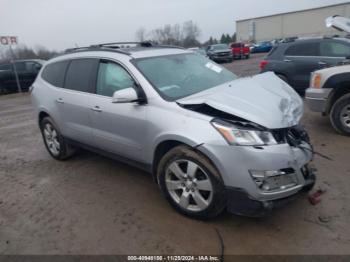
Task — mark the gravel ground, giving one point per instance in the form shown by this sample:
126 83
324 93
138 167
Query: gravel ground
93 205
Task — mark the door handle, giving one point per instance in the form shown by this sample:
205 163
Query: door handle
321 63
60 101
287 60
96 109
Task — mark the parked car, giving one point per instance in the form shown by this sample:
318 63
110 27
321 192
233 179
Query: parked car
329 91
209 139
262 47
294 61
240 50
219 53
27 71
198 50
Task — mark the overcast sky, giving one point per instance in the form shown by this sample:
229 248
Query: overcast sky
59 24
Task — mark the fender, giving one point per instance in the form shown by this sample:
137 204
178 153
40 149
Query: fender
334 81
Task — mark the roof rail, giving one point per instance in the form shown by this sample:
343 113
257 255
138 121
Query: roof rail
140 44
95 48
118 47
118 44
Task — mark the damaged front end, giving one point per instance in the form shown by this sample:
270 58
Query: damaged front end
266 161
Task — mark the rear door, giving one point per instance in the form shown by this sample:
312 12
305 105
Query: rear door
75 99
302 58
7 79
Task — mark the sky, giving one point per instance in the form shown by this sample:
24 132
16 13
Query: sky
60 24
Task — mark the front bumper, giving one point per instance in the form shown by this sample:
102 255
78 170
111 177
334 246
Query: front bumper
235 162
240 203
222 58
316 99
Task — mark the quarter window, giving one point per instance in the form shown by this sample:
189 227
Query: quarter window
54 73
303 49
335 49
6 67
112 77
80 75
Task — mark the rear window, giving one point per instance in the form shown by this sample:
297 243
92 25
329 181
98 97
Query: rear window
80 74
54 73
303 49
5 67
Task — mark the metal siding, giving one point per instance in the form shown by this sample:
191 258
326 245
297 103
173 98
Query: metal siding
292 24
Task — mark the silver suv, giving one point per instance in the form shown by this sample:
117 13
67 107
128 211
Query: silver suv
210 140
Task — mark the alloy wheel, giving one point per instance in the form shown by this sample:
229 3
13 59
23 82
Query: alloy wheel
189 185
345 115
51 139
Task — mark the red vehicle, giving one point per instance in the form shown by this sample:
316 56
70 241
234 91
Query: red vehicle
240 50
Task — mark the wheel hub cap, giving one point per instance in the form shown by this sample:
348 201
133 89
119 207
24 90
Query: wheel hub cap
345 116
51 139
189 185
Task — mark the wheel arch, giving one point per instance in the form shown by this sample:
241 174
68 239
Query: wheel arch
340 89
166 145
42 114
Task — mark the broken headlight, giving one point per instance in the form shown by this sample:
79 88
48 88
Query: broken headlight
244 137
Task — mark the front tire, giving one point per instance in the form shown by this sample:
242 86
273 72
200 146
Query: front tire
191 183
54 142
340 115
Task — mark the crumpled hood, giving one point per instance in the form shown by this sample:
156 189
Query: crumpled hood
263 99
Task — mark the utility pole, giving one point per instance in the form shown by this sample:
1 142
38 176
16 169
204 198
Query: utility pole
15 70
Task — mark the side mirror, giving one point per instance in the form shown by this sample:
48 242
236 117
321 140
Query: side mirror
127 95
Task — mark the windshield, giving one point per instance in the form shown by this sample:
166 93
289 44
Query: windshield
219 47
178 76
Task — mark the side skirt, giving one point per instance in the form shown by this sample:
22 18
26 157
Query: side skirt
144 166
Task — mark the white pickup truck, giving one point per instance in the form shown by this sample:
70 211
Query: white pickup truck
329 91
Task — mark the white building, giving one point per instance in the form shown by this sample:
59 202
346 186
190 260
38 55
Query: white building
302 23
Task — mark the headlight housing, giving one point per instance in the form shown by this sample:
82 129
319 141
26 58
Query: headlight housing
244 137
316 80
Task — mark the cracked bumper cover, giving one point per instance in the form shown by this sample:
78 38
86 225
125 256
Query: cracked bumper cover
239 202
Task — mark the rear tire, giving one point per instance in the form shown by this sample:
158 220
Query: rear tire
340 115
198 194
55 143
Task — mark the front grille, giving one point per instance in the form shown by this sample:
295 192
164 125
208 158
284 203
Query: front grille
223 54
293 135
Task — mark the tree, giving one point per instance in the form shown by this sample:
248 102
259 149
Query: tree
228 39
234 37
141 34
24 52
183 35
223 39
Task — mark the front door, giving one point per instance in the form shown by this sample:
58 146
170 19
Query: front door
118 128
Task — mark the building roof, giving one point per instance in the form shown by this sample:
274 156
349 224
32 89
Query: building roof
291 12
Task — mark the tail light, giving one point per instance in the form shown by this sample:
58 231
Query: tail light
263 63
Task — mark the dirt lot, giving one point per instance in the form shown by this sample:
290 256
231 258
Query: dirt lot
94 205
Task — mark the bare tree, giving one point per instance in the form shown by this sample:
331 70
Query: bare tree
141 34
184 35
24 52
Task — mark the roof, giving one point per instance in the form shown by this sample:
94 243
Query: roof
131 49
41 61
291 12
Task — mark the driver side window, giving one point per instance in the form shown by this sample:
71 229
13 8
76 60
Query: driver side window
112 77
